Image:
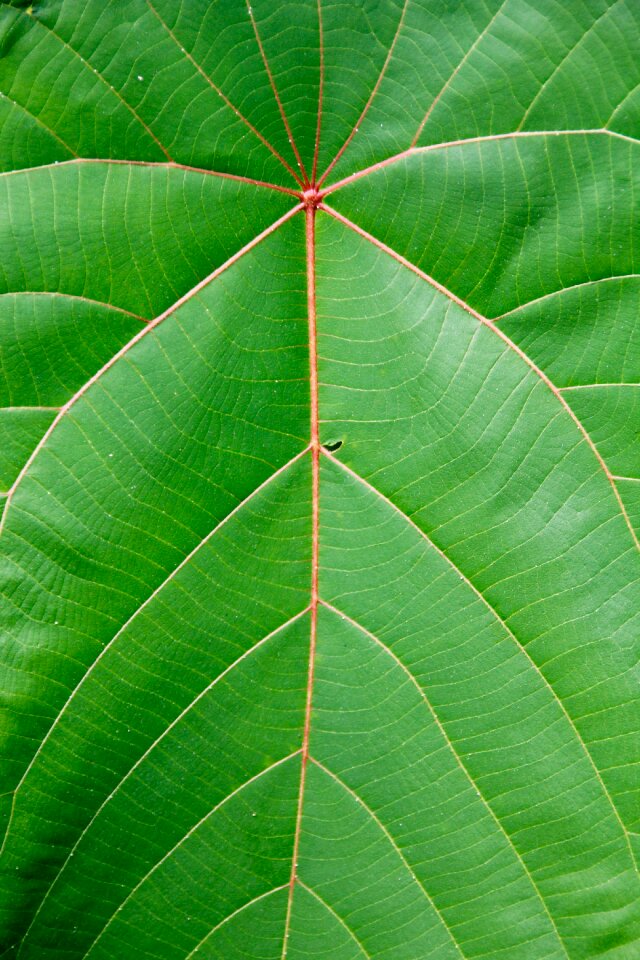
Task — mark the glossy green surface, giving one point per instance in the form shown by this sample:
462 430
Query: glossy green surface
319 558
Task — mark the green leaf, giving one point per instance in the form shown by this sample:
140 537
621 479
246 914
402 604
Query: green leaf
319 451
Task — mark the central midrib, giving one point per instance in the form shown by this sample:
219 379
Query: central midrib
310 217
313 200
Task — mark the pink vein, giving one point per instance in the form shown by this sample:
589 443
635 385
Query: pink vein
372 95
316 151
315 452
457 70
512 346
503 623
142 333
159 164
226 100
277 97
489 138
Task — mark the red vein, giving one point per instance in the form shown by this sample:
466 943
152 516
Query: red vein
316 151
142 333
230 916
192 830
277 97
396 158
430 148
223 96
507 340
136 613
457 71
371 97
315 453
163 165
387 833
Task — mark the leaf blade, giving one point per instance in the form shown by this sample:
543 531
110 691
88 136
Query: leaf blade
320 589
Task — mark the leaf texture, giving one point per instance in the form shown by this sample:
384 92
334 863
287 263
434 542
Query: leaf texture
319 451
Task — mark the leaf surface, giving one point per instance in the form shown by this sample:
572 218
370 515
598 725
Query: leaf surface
319 406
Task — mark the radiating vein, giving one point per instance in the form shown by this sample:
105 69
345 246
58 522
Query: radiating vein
467 141
508 342
223 96
124 350
371 98
315 451
154 164
276 95
316 150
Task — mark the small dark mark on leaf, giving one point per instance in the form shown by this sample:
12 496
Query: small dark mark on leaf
332 445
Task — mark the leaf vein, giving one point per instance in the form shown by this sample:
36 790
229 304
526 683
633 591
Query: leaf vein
509 344
182 840
221 676
132 617
456 756
333 913
124 350
373 816
508 630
